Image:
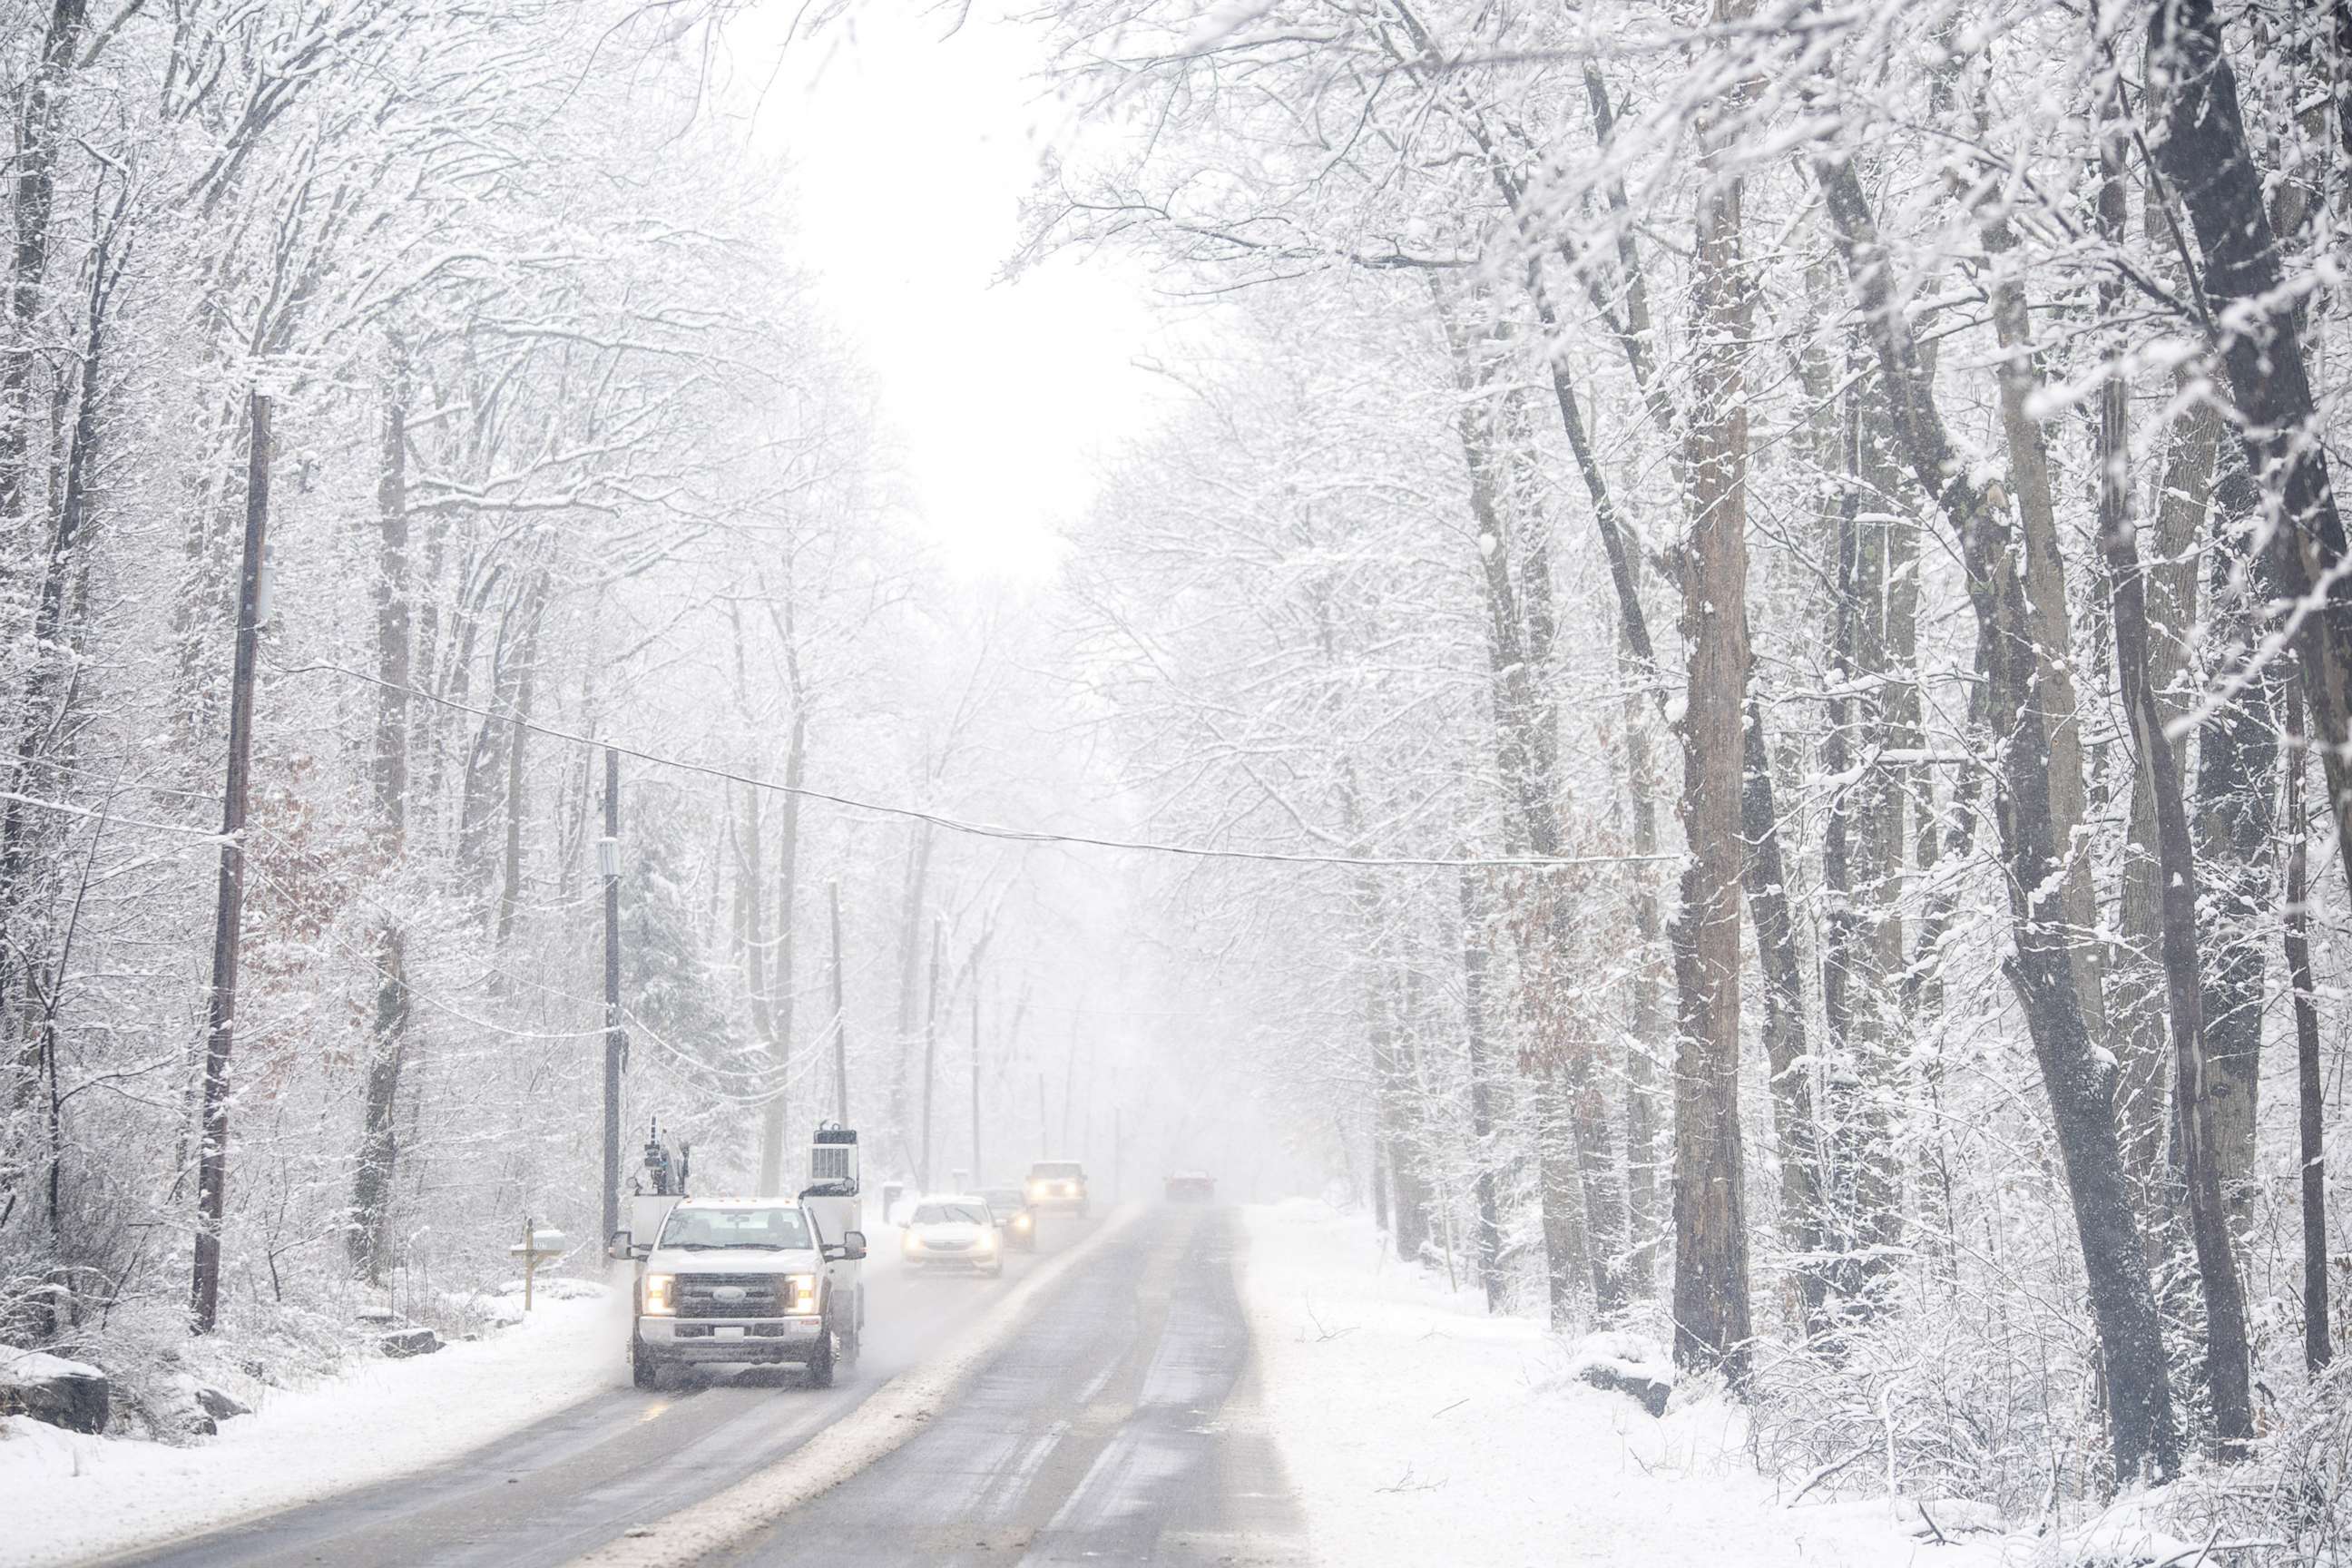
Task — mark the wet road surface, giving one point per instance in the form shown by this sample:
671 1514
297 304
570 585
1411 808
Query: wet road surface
1118 1427
1112 1428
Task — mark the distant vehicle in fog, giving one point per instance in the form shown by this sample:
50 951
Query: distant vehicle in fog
1014 1218
953 1230
1191 1188
1056 1184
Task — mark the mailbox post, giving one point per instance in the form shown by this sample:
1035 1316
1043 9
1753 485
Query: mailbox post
535 1248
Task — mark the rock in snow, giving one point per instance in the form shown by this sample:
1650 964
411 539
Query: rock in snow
402 1343
67 1394
1625 1364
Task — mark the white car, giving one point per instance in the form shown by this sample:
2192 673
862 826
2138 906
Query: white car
952 1231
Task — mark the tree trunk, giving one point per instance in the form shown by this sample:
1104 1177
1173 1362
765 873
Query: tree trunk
1516 570
910 995
2310 1095
2052 684
2225 1309
930 1063
2137 1010
2201 150
2237 834
772 1123
369 1235
34 194
2077 1077
1710 1297
518 729
1643 1215
1481 1093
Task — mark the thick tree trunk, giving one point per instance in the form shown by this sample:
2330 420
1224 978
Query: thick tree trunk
2201 150
370 1234
2077 1077
1761 873
31 206
2237 833
1710 1296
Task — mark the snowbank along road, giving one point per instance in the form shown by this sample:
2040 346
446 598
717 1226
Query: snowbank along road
1112 1426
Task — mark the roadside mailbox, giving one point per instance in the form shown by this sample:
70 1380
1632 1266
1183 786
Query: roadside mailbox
536 1247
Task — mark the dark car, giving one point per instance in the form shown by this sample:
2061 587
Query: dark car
1014 1218
1056 1184
1191 1188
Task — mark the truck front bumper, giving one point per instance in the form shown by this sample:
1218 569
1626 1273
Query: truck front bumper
731 1339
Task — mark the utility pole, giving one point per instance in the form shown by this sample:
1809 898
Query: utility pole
979 1172
608 854
1116 1149
840 1019
220 1019
930 1053
1045 1127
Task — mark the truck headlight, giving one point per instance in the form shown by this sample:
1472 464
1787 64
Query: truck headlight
910 1242
800 1291
1037 1190
1021 1222
661 1297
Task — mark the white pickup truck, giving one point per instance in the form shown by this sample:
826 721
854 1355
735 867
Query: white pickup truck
774 1280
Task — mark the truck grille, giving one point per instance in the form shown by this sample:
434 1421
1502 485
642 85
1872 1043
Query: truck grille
697 1296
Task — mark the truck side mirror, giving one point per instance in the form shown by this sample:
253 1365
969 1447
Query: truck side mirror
618 1247
853 1245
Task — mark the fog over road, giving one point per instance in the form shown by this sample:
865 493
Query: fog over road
1110 1428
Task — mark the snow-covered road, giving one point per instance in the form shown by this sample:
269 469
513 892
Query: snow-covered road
1186 1385
592 1458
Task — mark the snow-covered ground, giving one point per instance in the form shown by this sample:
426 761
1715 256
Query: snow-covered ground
69 1498
1416 1429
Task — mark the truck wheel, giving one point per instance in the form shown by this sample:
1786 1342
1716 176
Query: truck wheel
849 1348
643 1369
819 1374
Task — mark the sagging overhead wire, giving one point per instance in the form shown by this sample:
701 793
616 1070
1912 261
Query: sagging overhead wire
988 829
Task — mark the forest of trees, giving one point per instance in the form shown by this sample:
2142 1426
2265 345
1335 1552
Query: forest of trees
1852 487
1752 589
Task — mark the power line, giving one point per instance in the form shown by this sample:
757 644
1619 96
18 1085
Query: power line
992 829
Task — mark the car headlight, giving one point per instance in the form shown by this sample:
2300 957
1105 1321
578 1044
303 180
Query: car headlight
988 1241
1037 1190
908 1241
1021 1222
661 1297
800 1290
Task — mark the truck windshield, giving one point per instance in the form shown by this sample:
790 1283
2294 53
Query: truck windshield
765 1230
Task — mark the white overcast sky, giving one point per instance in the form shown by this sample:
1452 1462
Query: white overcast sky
911 149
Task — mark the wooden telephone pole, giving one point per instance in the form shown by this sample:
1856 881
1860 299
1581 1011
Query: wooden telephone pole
840 1019
979 1172
212 1160
609 853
